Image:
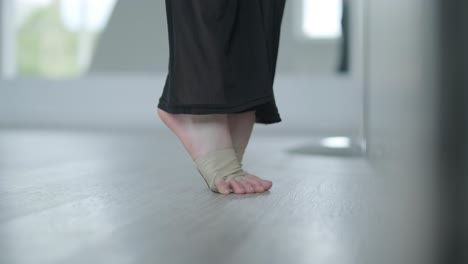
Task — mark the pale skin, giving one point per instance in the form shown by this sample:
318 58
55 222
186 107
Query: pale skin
201 134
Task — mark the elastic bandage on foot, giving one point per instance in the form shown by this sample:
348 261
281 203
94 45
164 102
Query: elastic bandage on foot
219 165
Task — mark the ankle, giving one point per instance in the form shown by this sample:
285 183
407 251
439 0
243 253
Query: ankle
167 118
239 153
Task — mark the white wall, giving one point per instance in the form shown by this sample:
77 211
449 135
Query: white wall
402 74
130 102
402 80
135 39
1 35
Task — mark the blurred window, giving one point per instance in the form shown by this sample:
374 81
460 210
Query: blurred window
53 38
321 19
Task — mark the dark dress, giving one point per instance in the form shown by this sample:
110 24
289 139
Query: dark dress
223 57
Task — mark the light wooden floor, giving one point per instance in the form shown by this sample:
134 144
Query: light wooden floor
136 198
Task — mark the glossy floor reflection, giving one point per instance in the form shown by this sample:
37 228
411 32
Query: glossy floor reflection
99 197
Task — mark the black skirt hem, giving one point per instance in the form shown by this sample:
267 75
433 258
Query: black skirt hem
203 109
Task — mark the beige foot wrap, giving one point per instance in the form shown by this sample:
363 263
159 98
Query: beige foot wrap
219 165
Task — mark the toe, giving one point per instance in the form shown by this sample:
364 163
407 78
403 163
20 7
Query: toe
265 183
257 185
236 187
247 186
223 187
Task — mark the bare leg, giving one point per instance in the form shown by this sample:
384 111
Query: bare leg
201 134
241 126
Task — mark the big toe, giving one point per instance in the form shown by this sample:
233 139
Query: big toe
267 184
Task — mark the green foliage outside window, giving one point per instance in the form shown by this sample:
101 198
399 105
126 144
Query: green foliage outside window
45 48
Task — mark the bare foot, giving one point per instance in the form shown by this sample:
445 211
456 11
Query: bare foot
202 133
245 185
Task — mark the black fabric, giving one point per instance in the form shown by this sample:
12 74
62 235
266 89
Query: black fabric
344 66
223 57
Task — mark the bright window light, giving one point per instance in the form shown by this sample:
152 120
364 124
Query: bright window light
336 142
94 15
322 18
